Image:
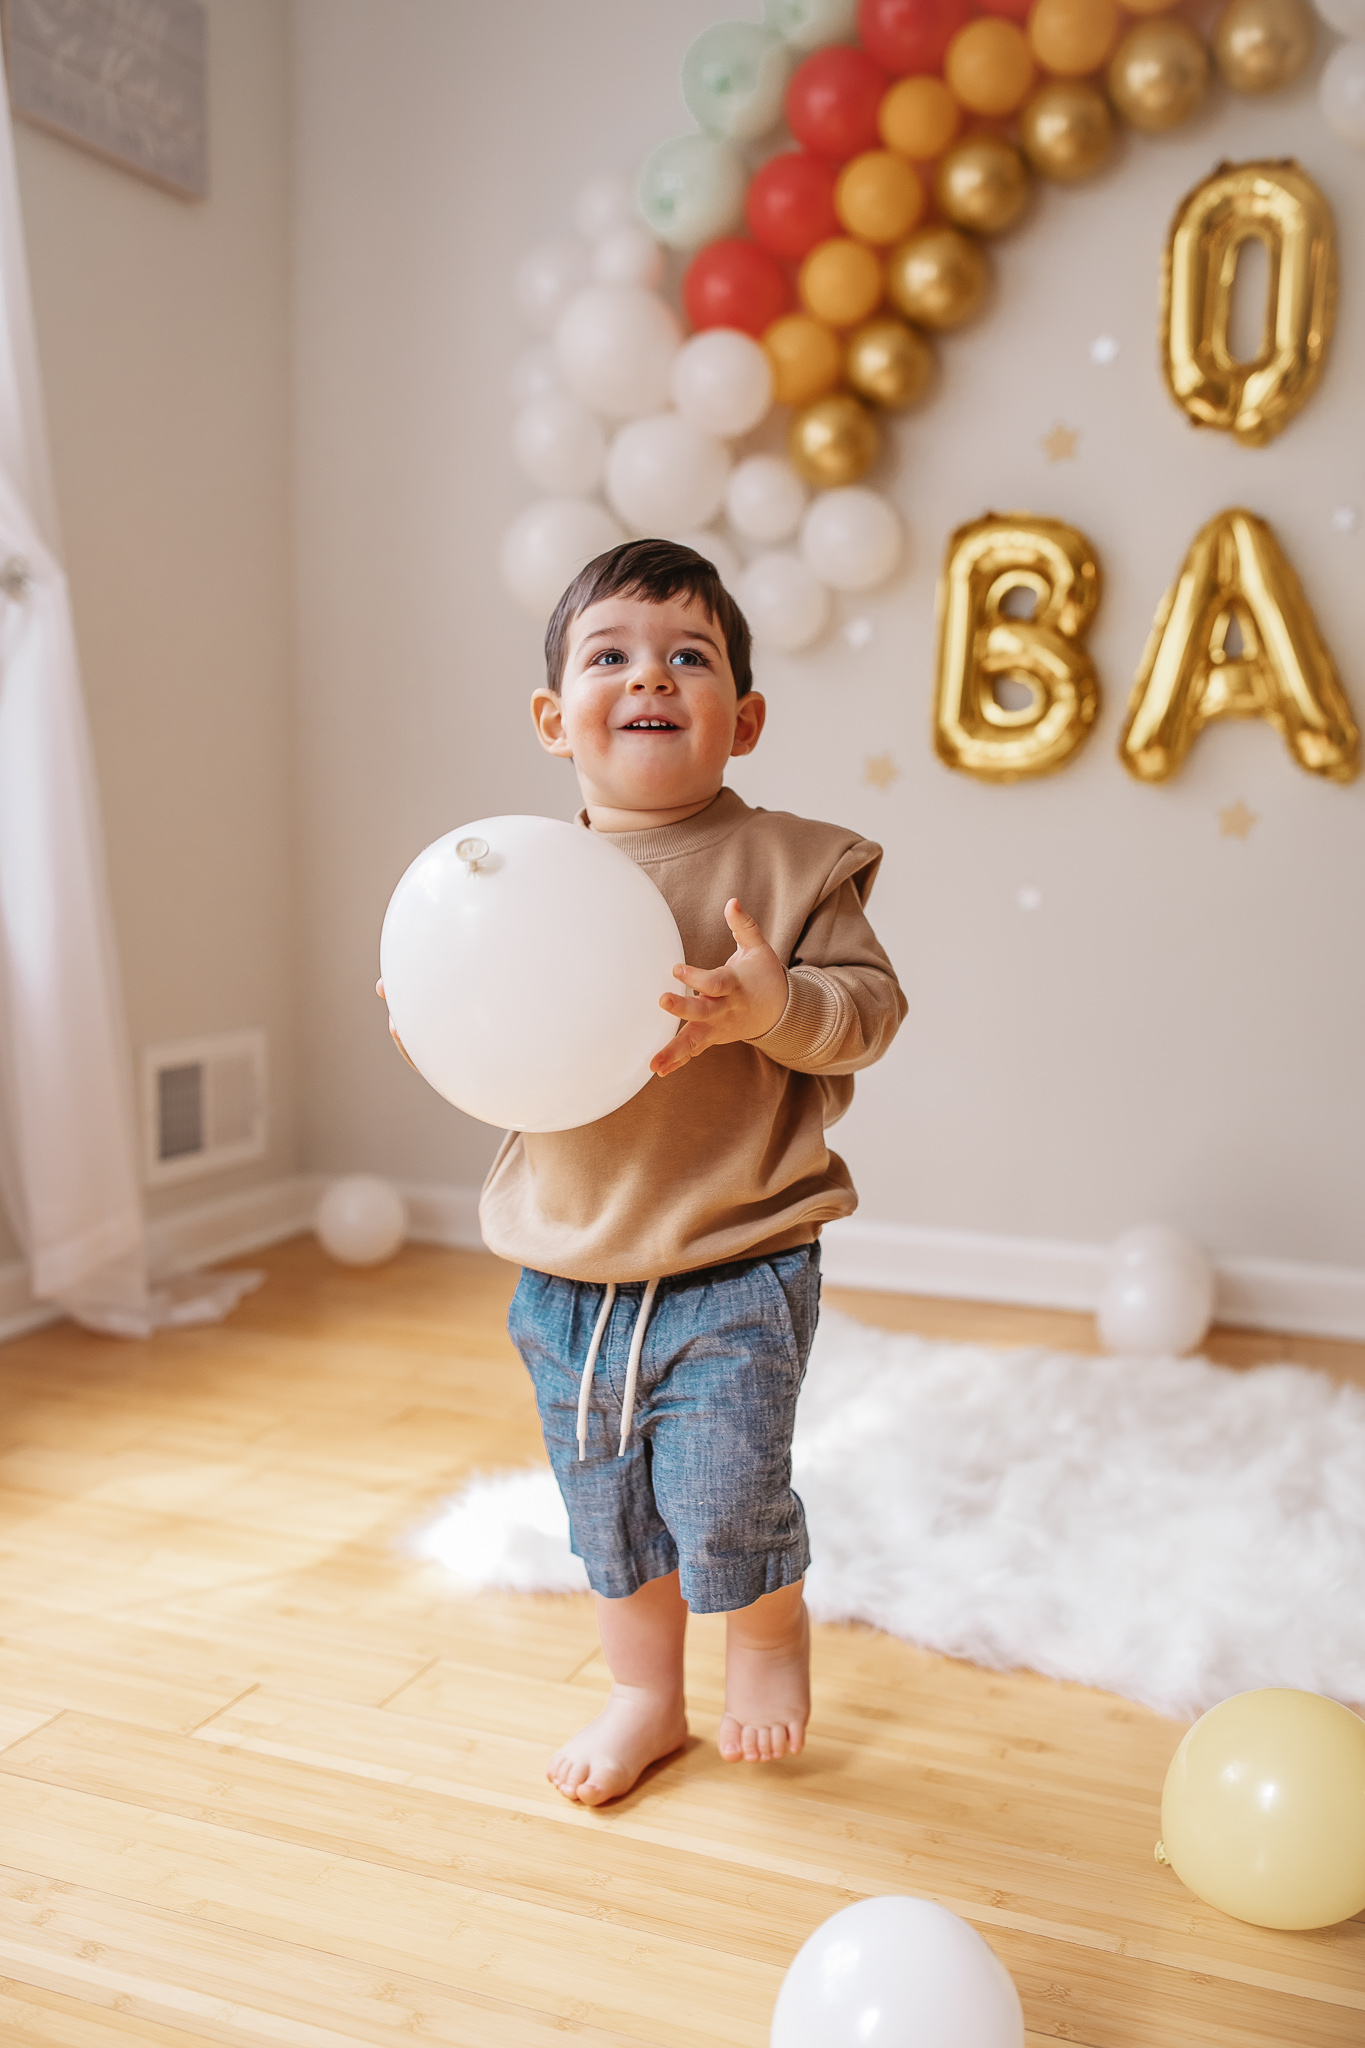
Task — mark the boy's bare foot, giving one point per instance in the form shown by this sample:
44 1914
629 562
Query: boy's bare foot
633 1730
767 1679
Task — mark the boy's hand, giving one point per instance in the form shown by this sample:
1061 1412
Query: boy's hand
379 991
743 999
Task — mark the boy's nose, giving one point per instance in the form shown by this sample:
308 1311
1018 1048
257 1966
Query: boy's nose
653 678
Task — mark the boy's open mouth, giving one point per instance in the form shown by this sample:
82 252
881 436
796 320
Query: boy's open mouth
651 725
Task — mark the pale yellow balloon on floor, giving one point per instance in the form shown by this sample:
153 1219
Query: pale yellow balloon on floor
1263 1814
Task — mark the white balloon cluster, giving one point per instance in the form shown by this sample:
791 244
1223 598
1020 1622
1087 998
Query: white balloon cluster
628 428
1341 87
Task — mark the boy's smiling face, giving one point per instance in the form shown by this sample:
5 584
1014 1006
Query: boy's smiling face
648 710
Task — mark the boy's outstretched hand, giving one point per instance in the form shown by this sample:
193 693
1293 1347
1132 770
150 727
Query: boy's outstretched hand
742 999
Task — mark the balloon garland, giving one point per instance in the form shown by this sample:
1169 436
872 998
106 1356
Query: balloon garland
823 266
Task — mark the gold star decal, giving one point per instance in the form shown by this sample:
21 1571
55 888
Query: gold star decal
881 771
1060 444
1235 820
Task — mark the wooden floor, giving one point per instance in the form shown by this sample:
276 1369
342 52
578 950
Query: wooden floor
264 1779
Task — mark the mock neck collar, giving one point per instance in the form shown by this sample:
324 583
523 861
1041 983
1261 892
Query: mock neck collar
661 842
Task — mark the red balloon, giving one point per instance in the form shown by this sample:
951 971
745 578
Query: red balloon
790 204
733 283
912 35
832 102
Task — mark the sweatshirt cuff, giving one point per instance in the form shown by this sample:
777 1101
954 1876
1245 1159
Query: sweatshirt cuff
810 1023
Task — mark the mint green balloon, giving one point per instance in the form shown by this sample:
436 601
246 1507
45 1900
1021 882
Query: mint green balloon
807 24
692 189
733 79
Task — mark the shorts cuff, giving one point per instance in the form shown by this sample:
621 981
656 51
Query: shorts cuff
617 1578
724 1590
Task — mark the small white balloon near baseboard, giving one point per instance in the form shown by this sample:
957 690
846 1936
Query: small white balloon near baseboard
1158 1295
361 1220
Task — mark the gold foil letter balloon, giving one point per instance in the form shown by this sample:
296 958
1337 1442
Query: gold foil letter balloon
1279 205
1282 671
982 645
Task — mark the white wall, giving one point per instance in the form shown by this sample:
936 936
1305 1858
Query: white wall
1175 1031
163 341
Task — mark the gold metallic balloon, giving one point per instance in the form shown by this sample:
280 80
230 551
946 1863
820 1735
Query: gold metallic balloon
1278 204
889 362
981 646
833 442
1282 670
1158 74
937 278
982 184
1263 1812
1067 130
1263 44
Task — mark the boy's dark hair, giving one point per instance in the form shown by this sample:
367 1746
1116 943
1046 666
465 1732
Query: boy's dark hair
655 570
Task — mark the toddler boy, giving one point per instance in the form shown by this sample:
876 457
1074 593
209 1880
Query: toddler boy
670 1251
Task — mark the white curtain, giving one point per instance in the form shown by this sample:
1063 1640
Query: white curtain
68 1151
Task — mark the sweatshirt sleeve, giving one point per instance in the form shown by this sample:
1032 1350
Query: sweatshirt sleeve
844 1003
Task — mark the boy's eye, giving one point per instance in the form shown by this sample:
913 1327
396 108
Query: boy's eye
609 655
689 658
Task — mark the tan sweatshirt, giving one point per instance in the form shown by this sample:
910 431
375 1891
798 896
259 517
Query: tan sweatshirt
727 1158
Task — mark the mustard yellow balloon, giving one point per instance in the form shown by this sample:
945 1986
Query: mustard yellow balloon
989 66
1262 45
833 442
1263 1813
841 282
879 196
806 358
919 117
937 278
1158 75
1073 37
983 184
1066 130
889 362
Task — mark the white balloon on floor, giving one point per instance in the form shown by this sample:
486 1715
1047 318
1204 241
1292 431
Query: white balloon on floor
765 498
547 277
663 473
523 961
615 344
361 1220
1158 1294
722 382
852 538
547 544
784 601
897 1973
628 255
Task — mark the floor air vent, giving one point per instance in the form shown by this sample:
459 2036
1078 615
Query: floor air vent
204 1105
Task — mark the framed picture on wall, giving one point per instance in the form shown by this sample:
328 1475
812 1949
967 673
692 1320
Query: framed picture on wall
124 78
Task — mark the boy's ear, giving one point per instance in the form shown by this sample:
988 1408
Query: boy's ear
749 722
547 715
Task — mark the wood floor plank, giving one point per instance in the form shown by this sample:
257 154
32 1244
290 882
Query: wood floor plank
268 1777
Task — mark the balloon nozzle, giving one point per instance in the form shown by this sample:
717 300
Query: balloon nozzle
473 852
1160 1854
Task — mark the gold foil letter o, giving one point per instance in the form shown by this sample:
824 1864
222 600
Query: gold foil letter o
1279 205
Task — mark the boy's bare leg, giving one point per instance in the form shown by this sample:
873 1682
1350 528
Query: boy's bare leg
644 1718
767 1678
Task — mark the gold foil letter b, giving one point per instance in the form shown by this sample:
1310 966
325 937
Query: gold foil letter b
983 647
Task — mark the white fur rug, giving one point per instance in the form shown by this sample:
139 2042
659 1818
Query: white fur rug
1166 1529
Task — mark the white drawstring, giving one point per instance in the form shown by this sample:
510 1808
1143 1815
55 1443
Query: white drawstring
585 1384
637 1345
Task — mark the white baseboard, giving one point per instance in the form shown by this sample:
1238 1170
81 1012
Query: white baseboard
1036 1272
889 1258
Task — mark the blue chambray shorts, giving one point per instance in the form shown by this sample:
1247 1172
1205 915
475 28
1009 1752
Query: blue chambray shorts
704 1487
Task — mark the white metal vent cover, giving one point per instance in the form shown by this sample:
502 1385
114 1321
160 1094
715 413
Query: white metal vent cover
203 1105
